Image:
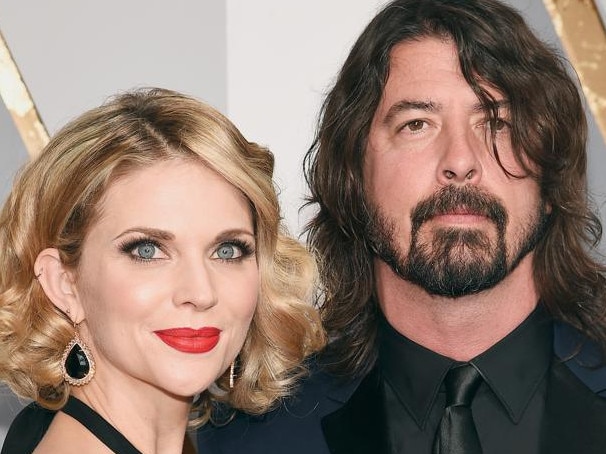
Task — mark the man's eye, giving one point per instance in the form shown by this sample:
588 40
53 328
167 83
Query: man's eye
415 125
145 251
499 124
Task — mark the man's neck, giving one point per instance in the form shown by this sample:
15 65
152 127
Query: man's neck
459 328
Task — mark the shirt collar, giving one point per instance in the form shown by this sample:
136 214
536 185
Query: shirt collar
414 372
513 368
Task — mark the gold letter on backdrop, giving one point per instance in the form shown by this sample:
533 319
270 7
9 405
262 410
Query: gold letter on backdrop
581 30
20 104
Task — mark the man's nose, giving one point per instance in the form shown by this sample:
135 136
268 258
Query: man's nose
460 161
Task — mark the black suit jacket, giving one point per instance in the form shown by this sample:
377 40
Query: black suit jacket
326 417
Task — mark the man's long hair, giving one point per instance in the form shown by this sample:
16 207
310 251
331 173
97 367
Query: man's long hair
549 131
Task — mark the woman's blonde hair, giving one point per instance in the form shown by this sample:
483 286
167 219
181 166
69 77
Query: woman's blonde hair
55 200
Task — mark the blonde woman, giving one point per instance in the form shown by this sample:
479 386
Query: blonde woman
143 267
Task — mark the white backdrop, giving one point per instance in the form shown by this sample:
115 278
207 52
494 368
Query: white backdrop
282 57
601 4
266 63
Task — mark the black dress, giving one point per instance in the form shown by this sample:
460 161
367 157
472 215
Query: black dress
33 421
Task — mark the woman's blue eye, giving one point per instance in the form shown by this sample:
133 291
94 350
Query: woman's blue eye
226 251
146 251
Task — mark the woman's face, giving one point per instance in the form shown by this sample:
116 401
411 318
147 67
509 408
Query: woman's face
168 279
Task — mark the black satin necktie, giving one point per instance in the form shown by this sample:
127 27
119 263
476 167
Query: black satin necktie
457 432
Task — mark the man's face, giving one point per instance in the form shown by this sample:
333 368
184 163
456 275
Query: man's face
445 215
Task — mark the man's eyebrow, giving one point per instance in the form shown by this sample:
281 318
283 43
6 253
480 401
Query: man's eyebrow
499 104
408 104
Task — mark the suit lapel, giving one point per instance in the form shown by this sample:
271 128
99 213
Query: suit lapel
358 427
575 418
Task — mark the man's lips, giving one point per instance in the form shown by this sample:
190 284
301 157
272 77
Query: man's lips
461 215
190 340
459 218
463 211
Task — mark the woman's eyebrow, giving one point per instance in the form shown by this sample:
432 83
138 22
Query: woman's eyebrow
149 231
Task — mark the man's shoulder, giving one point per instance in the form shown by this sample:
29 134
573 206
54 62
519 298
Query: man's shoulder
293 427
583 357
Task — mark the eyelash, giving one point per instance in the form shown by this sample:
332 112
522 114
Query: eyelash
128 247
245 247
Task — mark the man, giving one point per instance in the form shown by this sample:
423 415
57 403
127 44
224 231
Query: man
453 234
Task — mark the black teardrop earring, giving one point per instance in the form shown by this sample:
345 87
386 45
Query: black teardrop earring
77 364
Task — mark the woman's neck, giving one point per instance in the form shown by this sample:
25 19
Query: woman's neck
152 420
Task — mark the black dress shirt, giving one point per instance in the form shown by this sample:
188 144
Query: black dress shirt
507 409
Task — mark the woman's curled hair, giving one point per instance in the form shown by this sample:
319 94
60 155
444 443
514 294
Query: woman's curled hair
56 198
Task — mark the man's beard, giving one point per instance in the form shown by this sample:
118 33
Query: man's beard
455 261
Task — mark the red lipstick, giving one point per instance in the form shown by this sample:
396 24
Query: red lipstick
189 340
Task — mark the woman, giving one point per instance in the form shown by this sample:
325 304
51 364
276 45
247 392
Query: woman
142 264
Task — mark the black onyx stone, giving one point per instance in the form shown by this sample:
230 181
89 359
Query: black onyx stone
76 363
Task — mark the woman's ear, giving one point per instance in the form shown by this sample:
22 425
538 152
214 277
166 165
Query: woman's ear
58 283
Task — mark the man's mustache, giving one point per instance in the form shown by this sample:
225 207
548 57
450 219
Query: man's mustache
451 199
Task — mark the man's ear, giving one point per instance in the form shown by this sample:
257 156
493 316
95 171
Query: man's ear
58 283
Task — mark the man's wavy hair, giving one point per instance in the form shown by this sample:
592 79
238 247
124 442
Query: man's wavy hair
496 49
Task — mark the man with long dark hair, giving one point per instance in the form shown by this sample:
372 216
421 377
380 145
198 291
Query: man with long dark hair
464 306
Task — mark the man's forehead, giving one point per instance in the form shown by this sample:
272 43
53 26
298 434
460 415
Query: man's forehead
414 66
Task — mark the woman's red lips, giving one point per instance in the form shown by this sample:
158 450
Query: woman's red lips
190 340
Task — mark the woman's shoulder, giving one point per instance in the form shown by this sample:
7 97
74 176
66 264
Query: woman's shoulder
27 429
